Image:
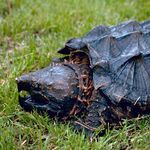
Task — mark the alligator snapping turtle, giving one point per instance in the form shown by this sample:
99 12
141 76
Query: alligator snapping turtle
103 78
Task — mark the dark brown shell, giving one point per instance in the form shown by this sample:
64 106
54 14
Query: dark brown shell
120 59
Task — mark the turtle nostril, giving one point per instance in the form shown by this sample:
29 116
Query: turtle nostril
24 94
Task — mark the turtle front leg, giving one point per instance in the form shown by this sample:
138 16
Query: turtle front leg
100 112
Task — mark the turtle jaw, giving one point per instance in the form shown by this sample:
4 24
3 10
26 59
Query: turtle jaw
33 99
43 102
25 100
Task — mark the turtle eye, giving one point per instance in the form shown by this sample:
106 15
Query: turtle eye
23 93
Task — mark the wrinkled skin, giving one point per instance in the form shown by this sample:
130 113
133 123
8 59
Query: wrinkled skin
104 79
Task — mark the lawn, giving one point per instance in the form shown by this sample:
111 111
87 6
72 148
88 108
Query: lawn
31 32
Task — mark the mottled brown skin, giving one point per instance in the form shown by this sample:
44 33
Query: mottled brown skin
104 78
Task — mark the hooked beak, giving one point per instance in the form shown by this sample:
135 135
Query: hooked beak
31 98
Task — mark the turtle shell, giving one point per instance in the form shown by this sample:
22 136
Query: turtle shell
101 31
120 59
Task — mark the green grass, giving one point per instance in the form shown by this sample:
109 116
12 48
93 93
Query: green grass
31 32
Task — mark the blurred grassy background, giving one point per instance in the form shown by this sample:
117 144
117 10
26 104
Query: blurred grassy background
31 31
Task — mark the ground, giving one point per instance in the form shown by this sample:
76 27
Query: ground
31 32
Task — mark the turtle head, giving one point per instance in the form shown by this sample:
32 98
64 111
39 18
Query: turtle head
57 89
